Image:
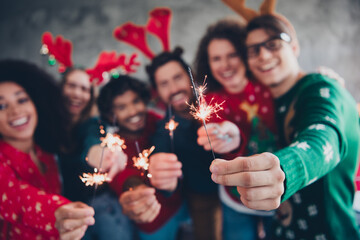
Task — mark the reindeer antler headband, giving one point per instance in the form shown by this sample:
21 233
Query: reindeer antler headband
158 25
60 49
266 8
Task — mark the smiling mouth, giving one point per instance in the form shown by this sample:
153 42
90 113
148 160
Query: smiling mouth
267 67
227 74
135 119
19 122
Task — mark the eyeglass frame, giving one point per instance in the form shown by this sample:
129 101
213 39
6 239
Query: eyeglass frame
282 36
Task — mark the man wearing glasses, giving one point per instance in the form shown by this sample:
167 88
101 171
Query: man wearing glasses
311 179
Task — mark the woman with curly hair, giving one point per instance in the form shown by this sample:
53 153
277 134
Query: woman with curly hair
30 130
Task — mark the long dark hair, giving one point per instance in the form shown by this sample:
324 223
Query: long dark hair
46 95
228 29
85 114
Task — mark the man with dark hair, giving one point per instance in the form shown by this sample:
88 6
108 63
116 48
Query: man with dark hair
312 177
169 75
122 106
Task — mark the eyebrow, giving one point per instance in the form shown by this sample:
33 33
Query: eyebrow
16 94
19 92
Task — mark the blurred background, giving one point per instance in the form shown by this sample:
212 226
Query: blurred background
328 30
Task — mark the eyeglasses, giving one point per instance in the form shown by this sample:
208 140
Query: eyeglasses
272 44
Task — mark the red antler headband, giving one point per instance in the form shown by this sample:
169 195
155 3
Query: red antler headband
108 62
158 25
59 49
267 7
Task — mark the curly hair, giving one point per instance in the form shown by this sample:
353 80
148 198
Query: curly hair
85 114
116 87
162 59
228 29
46 96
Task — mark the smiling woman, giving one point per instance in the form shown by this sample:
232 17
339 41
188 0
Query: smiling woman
30 206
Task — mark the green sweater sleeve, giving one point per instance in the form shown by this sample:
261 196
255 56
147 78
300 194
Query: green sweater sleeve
316 134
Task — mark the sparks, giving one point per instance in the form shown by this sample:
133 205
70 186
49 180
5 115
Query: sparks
95 178
171 125
113 142
142 161
204 110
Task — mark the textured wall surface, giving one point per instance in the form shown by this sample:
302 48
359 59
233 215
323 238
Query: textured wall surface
328 30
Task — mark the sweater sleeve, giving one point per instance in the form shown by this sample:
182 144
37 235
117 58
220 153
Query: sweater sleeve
317 135
23 204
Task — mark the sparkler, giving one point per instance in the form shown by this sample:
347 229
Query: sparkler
171 125
111 141
142 161
91 179
204 110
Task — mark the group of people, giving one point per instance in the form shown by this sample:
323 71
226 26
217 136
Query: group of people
286 146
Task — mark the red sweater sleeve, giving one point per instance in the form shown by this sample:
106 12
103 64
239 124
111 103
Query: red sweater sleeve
24 204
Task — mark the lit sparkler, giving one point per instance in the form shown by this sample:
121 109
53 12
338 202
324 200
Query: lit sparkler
95 178
171 125
142 161
111 141
204 110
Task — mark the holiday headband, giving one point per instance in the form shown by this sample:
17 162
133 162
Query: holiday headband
60 50
266 8
135 35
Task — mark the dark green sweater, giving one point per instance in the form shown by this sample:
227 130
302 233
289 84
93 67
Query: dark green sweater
319 128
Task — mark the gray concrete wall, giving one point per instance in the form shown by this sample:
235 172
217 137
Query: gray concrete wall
328 30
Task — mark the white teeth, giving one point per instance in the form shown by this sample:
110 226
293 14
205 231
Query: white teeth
227 74
135 119
177 97
267 67
19 122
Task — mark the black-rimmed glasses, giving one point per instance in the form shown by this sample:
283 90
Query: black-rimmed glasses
272 44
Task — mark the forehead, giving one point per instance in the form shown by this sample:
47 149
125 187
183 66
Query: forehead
168 70
219 45
257 36
125 98
10 88
78 77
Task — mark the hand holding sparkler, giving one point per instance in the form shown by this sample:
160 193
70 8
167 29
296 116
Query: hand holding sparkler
72 220
110 146
140 204
165 170
224 136
259 179
112 161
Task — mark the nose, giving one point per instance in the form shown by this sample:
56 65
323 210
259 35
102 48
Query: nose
14 109
264 53
173 88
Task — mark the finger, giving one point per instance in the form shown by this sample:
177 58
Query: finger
74 210
246 179
266 205
257 162
165 165
136 195
142 205
113 171
163 156
261 193
165 174
71 224
151 214
74 234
